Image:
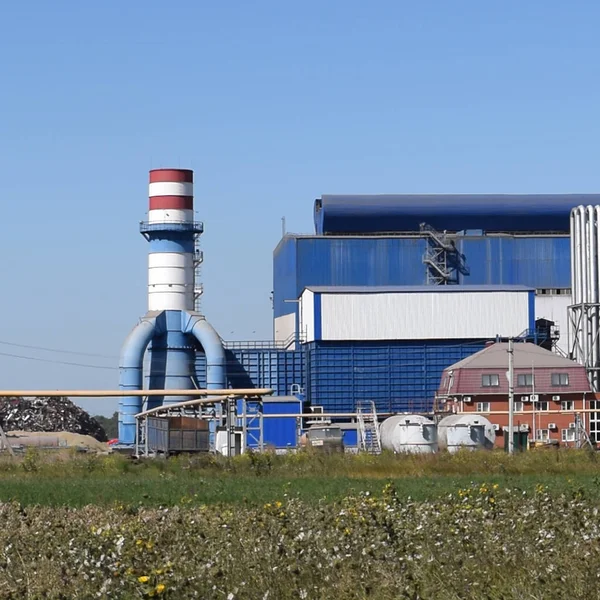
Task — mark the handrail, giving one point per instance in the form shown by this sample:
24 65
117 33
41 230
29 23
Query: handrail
187 226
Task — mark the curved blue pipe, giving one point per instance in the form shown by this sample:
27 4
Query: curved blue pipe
172 357
212 345
131 368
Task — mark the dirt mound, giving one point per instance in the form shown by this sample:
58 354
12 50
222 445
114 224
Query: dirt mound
48 415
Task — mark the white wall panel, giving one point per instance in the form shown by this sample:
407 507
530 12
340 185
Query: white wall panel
307 316
285 327
426 315
170 215
554 308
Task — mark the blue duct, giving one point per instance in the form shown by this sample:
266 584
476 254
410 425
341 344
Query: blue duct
212 345
172 360
131 371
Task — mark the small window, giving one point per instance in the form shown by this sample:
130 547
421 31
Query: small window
542 405
560 379
543 435
490 380
517 406
483 407
525 380
567 405
567 435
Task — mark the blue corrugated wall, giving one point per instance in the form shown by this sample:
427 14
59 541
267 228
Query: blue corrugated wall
258 368
397 376
534 261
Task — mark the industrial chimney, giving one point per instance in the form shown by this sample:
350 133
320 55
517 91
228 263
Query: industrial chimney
171 330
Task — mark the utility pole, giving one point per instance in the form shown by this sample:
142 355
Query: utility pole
511 396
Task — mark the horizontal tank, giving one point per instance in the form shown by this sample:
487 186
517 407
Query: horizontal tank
467 431
409 433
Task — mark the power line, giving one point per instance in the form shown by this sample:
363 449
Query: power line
56 362
45 349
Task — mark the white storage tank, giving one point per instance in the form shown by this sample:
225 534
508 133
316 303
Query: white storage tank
409 433
466 431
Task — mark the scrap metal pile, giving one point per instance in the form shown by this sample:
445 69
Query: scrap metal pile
48 414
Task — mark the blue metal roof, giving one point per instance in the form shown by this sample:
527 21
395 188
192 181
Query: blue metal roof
347 214
408 289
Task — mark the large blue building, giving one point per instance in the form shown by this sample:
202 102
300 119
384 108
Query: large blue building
363 249
409 240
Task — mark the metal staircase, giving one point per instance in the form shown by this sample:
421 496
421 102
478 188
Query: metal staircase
368 428
198 288
443 260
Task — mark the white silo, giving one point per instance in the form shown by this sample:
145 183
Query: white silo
409 433
466 432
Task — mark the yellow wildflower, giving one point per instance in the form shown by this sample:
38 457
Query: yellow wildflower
139 543
160 588
149 545
143 579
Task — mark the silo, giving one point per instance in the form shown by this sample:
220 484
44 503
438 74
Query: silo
466 431
409 433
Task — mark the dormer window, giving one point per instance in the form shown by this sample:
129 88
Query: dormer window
488 380
560 379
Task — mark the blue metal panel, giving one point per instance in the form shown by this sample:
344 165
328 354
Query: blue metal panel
317 316
171 245
259 368
397 376
285 286
533 261
350 438
281 431
489 212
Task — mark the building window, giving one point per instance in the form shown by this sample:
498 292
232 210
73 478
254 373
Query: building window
490 380
542 435
483 407
567 405
542 405
567 435
525 380
560 379
595 421
517 406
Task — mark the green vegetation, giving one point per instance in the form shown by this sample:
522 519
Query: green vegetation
310 526
109 424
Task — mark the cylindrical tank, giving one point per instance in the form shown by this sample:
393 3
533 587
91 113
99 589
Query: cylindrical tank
170 230
409 433
466 431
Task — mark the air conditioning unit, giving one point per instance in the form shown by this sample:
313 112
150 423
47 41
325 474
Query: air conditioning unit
496 427
525 399
467 399
572 426
552 426
534 398
556 398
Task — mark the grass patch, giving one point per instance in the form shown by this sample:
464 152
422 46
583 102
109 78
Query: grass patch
75 480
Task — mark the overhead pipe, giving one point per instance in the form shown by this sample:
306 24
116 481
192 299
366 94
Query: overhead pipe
140 393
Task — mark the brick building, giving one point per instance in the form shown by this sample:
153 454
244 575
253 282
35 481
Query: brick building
549 392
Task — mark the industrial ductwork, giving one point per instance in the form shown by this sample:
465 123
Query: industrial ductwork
171 330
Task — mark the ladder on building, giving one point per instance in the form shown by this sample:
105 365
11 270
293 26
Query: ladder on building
443 260
198 260
368 428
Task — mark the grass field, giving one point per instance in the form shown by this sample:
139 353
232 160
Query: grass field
480 525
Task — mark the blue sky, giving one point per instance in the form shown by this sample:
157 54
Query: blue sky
272 104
